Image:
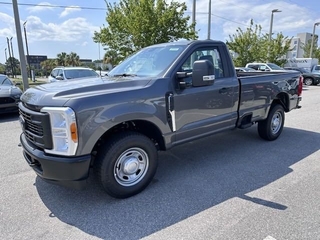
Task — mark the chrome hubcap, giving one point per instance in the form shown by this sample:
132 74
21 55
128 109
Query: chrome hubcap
131 167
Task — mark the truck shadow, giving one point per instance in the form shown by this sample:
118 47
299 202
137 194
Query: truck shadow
190 179
9 117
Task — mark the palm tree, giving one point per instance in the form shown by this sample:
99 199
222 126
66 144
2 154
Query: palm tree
48 65
62 59
73 59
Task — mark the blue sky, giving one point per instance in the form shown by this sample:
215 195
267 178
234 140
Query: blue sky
52 30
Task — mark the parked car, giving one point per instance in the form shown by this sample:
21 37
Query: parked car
316 69
161 96
9 95
65 73
270 67
245 69
309 78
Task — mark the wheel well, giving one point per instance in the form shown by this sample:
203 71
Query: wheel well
144 127
283 100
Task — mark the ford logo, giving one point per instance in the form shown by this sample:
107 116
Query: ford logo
22 122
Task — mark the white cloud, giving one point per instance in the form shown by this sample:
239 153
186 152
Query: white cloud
70 30
69 10
84 44
9 29
40 7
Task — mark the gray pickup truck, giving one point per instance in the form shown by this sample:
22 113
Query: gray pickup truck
162 96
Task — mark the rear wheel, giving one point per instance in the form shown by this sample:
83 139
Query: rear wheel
271 128
127 164
308 81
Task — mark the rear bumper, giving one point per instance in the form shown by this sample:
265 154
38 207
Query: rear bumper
66 171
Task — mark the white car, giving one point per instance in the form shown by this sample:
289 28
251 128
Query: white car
65 73
267 67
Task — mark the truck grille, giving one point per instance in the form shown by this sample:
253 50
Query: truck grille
6 100
36 127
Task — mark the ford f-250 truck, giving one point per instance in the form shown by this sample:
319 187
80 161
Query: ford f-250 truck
162 96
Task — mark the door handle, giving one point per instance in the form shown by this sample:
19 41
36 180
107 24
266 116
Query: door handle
224 90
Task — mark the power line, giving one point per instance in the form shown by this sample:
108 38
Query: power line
53 6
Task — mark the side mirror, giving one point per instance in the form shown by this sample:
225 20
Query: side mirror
203 73
59 78
17 84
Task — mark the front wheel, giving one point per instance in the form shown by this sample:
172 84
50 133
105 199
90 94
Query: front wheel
127 164
271 128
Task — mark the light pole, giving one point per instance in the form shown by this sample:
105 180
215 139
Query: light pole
270 30
194 14
312 38
12 60
209 20
5 53
25 37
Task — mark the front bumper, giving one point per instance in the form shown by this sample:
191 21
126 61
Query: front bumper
66 171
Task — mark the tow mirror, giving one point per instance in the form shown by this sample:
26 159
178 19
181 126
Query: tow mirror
203 73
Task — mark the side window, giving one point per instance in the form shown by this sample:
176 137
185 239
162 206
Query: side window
60 73
54 73
210 54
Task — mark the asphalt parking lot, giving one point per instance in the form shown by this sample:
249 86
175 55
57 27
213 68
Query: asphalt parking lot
229 186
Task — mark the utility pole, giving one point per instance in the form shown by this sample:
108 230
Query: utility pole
209 21
25 37
10 58
20 45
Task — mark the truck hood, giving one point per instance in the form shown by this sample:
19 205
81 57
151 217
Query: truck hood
58 93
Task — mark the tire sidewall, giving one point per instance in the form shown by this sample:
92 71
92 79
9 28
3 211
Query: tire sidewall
107 176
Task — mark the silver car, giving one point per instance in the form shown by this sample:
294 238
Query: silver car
65 73
9 95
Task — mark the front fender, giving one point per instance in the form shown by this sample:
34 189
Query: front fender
94 123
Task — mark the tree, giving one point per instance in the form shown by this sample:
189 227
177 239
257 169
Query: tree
62 59
306 49
111 57
134 24
2 68
48 65
73 59
13 64
247 45
279 47
253 46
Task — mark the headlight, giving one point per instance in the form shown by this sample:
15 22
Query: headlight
64 130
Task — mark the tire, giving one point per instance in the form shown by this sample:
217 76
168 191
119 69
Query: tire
271 128
308 81
127 164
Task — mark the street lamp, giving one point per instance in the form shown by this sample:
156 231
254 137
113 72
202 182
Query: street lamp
312 37
12 60
5 53
270 31
25 37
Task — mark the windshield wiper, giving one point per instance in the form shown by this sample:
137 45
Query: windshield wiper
125 75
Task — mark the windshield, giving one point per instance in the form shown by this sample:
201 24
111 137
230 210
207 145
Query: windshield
317 68
274 66
5 81
80 73
149 62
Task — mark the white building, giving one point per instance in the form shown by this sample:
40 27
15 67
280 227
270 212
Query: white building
297 44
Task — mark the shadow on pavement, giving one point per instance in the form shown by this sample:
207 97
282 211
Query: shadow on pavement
9 117
190 179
